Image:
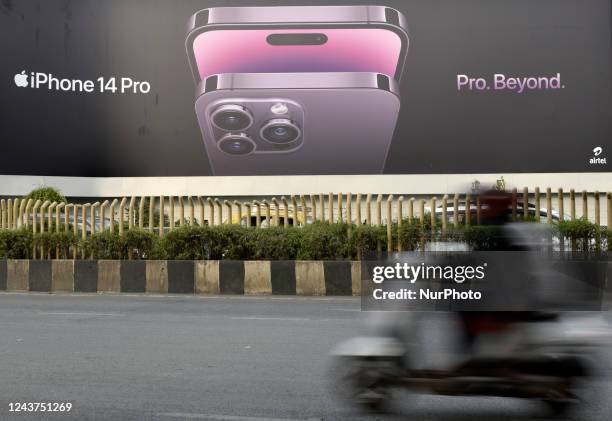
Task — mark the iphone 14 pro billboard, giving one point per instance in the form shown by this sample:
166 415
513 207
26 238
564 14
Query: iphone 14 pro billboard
120 88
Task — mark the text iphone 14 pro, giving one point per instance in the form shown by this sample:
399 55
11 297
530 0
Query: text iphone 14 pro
297 123
333 68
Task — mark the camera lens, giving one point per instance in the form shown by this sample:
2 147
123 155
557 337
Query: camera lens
236 144
232 117
280 131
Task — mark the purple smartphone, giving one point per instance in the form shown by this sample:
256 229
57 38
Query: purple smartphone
297 123
289 39
297 90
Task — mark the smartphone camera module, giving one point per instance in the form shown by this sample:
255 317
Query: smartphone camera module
236 144
280 131
232 117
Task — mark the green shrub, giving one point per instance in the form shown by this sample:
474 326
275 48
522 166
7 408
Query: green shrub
323 241
411 234
483 237
16 244
275 243
584 235
105 245
185 243
46 193
139 243
366 239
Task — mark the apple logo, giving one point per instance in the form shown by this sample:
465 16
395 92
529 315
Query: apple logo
21 79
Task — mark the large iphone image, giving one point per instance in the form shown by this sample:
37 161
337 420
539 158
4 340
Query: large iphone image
276 95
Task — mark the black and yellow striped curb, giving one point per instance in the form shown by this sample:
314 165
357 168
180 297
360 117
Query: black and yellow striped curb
310 278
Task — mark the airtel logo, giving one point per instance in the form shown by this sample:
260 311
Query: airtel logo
597 160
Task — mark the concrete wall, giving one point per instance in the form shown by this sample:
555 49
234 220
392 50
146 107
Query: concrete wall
413 184
311 278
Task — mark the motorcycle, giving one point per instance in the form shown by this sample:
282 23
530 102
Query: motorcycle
546 357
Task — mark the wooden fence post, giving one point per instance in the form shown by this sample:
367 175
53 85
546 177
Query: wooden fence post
228 206
456 210
4 219
537 205
379 199
247 205
9 214
513 204
239 211
28 208
295 211
171 212
161 215
122 216
276 212
22 205
84 226
67 209
257 214
525 203
422 211
130 213
349 209
322 206
211 211
304 210
202 203
444 214
432 215
93 209
313 207
103 214
151 214
75 223
400 220
560 205
548 205
112 215
597 209
268 216
182 211
52 207
192 211
16 214
389 223
411 210
141 208
285 211
58 211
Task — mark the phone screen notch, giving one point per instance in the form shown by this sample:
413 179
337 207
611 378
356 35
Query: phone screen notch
297 39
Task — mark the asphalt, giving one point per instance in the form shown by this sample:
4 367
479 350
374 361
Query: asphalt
169 358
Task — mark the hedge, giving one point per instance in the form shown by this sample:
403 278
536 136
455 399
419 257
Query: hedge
317 241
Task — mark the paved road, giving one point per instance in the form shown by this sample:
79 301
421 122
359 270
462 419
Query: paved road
169 358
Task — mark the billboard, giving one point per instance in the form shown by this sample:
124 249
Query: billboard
195 88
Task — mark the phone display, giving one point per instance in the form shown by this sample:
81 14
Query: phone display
298 50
